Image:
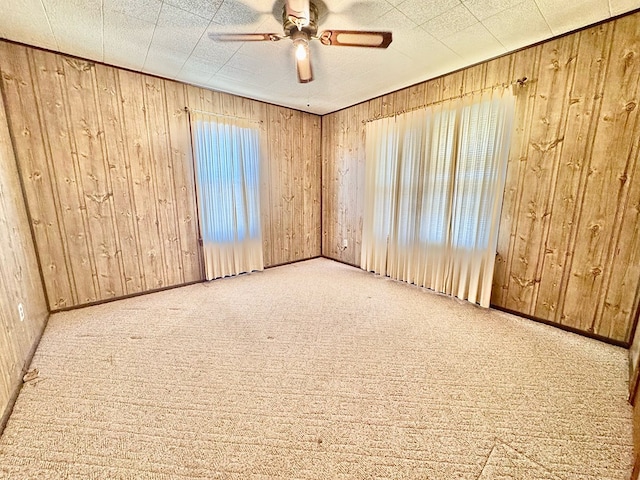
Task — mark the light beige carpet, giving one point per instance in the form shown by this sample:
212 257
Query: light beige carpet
316 370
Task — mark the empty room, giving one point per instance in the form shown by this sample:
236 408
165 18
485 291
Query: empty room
319 239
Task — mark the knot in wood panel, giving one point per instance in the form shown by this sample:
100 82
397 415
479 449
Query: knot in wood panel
612 306
550 305
574 164
628 60
595 271
99 198
80 65
630 106
86 130
523 282
595 228
544 147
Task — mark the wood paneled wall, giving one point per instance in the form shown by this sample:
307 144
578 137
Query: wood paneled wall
19 277
105 157
569 241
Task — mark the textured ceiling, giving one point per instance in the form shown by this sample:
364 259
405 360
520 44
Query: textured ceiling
169 38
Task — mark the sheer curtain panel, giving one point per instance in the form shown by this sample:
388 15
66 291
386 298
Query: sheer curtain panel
434 185
227 164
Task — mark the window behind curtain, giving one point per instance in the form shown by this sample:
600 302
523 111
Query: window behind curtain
227 158
232 175
477 149
433 200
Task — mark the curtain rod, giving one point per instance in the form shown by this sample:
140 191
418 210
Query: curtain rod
521 82
187 109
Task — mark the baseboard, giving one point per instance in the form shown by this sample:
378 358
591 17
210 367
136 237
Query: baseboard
583 333
341 261
292 262
161 289
130 295
566 328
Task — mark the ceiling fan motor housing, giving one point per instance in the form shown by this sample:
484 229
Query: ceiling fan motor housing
290 26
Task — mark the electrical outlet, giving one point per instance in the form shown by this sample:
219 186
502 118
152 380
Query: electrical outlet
345 243
21 312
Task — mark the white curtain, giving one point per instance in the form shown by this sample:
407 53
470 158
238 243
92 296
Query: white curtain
227 160
433 194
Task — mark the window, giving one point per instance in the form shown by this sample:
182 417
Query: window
437 178
474 166
232 175
433 191
227 160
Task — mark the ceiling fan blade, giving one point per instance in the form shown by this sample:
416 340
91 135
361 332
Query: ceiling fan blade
355 38
303 66
244 37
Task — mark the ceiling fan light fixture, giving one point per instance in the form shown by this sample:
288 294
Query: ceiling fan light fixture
305 72
301 51
301 45
303 62
300 25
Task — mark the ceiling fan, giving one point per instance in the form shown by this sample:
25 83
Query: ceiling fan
299 22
